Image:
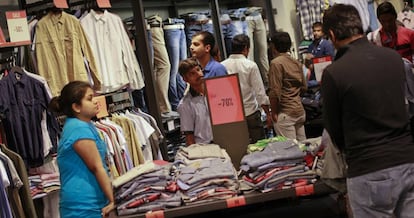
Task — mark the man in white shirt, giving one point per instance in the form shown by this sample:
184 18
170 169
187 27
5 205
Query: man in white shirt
251 85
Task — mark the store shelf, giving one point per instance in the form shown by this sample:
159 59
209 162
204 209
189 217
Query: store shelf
248 199
14 44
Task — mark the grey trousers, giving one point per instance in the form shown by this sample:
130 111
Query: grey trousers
384 193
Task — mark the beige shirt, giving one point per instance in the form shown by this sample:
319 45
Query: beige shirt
61 46
286 83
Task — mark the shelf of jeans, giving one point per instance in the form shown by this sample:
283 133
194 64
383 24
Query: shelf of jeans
171 124
318 189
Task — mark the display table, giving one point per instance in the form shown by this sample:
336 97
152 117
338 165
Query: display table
318 188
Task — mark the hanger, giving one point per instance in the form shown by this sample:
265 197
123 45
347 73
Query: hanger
406 6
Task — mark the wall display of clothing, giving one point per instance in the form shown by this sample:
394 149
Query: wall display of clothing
246 20
62 50
312 11
15 194
97 46
30 130
114 56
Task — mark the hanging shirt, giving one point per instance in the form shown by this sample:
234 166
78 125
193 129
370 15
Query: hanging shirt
22 103
61 45
113 51
251 83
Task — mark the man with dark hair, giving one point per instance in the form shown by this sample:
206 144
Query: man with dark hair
286 83
364 113
392 35
320 45
193 109
251 85
202 47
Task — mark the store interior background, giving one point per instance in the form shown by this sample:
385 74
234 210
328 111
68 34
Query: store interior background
285 15
285 18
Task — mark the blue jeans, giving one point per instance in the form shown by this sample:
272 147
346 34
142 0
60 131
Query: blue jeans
175 41
383 193
239 27
197 23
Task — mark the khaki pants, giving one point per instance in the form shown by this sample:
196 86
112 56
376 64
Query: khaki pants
290 127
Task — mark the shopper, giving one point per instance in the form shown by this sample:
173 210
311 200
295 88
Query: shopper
202 48
286 83
320 47
365 115
251 85
85 186
193 109
391 34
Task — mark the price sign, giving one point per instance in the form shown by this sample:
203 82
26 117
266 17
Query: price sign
155 214
319 65
18 28
305 190
103 109
103 3
236 202
224 98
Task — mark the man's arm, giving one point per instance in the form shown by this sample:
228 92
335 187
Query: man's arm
332 110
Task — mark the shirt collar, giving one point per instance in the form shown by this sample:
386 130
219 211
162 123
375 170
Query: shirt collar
99 16
341 51
209 65
57 18
18 78
237 56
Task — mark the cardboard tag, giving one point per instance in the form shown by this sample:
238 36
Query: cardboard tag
61 3
103 3
103 109
155 214
236 202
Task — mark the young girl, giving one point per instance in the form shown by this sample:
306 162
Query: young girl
85 186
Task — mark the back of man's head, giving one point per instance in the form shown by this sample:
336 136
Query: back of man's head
343 20
281 41
187 65
239 43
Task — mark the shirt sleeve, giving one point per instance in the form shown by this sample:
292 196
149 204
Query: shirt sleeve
187 119
332 109
275 80
257 84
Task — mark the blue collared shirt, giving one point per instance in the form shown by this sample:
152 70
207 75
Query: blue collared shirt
322 48
213 69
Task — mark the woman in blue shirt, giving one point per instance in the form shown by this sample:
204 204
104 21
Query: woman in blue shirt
85 185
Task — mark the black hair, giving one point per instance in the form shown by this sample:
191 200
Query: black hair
239 43
386 8
317 24
73 92
343 20
208 39
281 41
186 65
